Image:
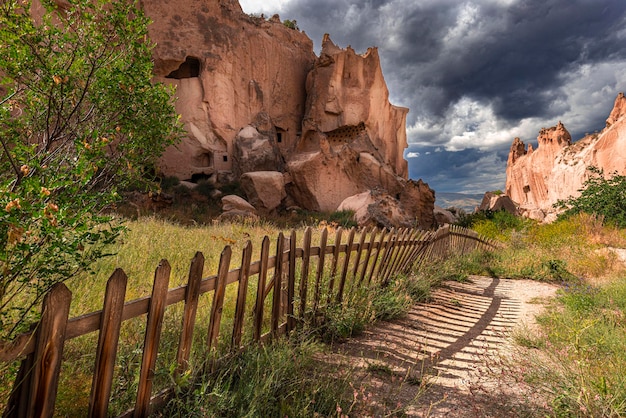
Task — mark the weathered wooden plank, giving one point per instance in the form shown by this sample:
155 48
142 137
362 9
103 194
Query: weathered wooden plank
304 280
260 292
218 299
333 265
192 296
242 292
380 248
407 261
384 262
278 275
368 254
108 340
291 283
346 262
156 312
359 251
320 269
35 394
401 245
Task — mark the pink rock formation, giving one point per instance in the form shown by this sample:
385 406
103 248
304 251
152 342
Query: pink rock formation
348 101
557 169
254 97
230 70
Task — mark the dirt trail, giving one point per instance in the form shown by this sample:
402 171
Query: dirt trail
442 359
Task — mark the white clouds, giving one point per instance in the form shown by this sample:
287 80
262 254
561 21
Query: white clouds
265 6
412 155
582 101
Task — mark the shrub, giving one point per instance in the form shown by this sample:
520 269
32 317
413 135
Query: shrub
79 118
600 196
291 24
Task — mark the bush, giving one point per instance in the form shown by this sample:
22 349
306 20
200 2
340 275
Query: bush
291 24
79 118
600 196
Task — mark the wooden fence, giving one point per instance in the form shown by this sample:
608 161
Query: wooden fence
306 279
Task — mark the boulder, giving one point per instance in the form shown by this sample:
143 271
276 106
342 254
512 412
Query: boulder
359 204
443 216
378 209
255 152
265 189
237 208
233 202
495 202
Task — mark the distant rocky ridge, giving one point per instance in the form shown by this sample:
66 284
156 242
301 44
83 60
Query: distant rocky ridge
558 168
261 108
466 201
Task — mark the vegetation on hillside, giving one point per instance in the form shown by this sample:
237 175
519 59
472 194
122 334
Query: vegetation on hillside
79 119
601 196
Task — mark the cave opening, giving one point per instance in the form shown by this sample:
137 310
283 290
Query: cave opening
188 69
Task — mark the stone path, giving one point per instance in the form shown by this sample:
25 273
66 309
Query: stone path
443 358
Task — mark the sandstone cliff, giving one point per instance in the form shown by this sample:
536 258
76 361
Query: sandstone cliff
254 97
230 71
557 169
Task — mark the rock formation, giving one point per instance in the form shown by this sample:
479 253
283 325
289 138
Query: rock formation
557 169
495 202
254 97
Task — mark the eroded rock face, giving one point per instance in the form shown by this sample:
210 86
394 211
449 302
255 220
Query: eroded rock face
348 103
254 98
557 169
230 70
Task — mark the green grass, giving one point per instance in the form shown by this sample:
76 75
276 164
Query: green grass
581 367
577 358
151 239
276 380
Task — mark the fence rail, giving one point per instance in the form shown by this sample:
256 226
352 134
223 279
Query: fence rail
369 257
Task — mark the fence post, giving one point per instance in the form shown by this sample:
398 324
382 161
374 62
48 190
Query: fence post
320 269
108 339
260 291
359 250
304 280
218 298
278 279
368 254
242 292
379 249
333 267
192 295
156 312
291 283
37 382
346 262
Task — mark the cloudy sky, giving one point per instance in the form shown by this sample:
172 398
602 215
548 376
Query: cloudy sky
477 73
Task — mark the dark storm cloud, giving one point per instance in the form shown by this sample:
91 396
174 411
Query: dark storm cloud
477 73
512 57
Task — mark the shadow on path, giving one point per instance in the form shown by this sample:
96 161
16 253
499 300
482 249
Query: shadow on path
429 358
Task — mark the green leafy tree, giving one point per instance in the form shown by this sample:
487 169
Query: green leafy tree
600 196
79 119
